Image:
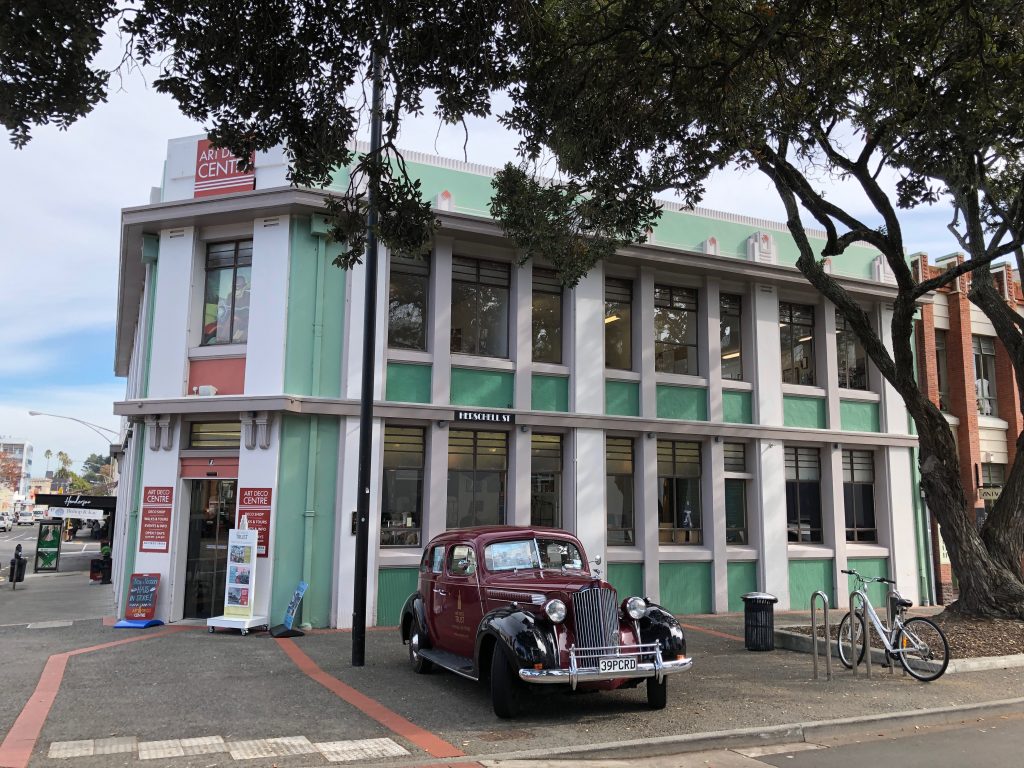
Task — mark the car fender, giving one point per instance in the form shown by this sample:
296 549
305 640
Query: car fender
414 609
659 625
519 635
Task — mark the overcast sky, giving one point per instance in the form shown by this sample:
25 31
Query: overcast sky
60 203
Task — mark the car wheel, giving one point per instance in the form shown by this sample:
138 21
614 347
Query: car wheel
657 693
505 686
419 664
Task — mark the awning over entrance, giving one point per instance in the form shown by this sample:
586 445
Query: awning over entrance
76 505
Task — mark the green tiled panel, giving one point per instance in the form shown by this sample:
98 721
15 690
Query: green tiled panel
408 383
622 398
549 393
856 416
685 587
394 585
806 412
870 566
627 578
737 407
805 578
688 403
484 389
742 579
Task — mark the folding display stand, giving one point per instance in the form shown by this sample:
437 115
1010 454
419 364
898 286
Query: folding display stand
242 623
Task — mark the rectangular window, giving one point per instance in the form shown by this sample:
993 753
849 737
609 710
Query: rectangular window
859 495
226 301
402 494
679 508
985 374
942 370
215 434
675 330
619 471
803 495
477 476
993 476
547 316
796 334
618 324
735 494
407 301
546 480
731 315
480 307
853 364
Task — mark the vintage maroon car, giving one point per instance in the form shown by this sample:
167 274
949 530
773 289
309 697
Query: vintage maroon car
521 606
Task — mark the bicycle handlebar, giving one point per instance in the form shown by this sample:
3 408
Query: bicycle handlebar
869 579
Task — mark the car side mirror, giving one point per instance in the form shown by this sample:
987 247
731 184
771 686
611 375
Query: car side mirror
597 559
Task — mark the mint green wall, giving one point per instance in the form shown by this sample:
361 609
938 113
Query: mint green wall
131 539
394 585
807 412
622 398
742 578
627 578
805 578
408 383
289 521
484 389
737 408
870 566
685 587
689 403
857 416
549 393
302 334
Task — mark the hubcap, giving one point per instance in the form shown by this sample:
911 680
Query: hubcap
414 645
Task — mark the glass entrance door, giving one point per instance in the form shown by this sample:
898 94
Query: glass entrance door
211 516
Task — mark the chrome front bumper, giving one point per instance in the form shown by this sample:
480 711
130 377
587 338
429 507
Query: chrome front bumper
575 674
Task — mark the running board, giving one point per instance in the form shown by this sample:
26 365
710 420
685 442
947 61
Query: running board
460 665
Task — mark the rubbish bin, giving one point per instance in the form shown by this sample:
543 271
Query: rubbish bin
759 621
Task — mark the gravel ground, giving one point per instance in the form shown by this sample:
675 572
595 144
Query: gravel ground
968 638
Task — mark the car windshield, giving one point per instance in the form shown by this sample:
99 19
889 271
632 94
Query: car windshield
522 554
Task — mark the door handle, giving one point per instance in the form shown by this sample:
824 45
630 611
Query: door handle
440 592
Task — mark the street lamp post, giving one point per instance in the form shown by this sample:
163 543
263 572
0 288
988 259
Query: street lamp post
94 427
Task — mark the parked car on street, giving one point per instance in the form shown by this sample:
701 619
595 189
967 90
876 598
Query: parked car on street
523 607
6 521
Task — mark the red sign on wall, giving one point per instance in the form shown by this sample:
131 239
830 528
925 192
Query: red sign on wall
155 526
255 504
218 172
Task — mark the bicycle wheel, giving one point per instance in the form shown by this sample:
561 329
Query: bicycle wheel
843 642
923 649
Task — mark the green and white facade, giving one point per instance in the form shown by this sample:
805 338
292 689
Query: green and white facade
470 427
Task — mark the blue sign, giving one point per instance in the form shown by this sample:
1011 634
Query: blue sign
293 606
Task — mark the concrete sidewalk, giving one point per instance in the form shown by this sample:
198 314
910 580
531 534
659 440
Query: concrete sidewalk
185 698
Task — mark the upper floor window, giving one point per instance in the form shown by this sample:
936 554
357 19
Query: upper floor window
942 370
853 366
859 495
675 330
480 307
679 508
618 324
407 301
215 434
803 495
796 334
547 316
226 301
985 374
731 314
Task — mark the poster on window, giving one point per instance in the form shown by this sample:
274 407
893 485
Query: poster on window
238 589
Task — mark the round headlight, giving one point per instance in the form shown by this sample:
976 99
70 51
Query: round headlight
636 607
555 609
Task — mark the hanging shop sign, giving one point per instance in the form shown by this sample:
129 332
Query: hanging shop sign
47 546
155 525
218 171
77 501
486 417
255 505
241 579
990 494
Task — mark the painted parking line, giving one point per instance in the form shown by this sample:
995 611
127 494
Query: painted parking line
712 632
430 743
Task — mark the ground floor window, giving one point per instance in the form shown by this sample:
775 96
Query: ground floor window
679 507
859 495
993 476
803 495
619 490
736 479
546 480
402 488
477 478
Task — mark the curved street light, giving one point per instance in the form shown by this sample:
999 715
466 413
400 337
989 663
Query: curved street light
94 427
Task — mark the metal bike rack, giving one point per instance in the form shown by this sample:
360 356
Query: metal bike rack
854 596
814 634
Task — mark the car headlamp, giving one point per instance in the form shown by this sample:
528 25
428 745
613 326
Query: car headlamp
555 609
636 607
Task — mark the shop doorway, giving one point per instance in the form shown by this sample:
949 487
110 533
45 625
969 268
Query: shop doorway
211 516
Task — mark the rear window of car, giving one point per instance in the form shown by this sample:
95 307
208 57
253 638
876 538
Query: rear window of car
524 554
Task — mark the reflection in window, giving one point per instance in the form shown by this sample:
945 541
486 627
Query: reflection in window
402 493
942 370
546 480
407 301
735 460
675 330
479 307
619 490
859 495
732 340
803 495
618 324
547 316
985 374
853 366
679 508
226 301
796 334
477 475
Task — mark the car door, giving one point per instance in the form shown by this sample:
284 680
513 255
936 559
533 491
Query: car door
458 590
433 568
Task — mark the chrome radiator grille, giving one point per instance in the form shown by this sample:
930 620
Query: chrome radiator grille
596 613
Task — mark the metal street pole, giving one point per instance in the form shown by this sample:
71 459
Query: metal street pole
366 396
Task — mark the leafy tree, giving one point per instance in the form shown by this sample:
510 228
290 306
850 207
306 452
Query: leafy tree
96 470
10 471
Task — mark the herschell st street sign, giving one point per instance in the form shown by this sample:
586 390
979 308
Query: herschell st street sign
486 417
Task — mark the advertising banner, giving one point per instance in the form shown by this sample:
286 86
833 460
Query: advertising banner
241 578
155 525
255 505
218 172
